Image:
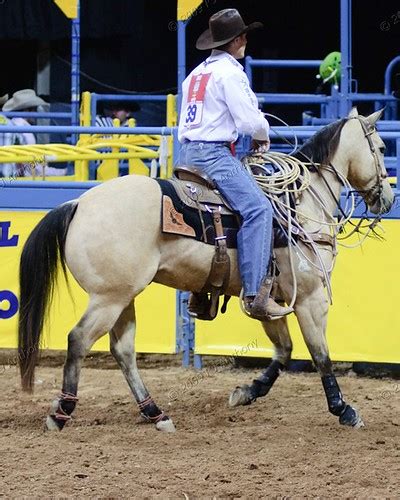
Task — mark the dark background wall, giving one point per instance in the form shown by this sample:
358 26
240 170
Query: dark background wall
131 44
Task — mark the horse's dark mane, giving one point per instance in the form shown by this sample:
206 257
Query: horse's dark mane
321 147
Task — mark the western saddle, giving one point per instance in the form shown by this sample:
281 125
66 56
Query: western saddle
202 192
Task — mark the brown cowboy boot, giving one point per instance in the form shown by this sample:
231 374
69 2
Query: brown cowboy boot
262 306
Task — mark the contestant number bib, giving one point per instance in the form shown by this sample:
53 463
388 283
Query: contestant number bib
195 102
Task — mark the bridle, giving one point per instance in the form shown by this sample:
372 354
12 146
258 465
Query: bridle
373 194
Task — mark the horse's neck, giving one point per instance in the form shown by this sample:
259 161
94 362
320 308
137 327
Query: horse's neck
324 191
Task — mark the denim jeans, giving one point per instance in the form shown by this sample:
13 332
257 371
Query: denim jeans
241 191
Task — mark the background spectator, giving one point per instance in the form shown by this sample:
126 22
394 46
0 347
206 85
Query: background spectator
27 100
6 139
107 111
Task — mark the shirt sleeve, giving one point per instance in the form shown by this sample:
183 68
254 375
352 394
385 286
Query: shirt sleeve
242 104
181 125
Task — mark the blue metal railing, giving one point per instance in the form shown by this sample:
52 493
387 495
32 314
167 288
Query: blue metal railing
277 63
38 114
64 129
75 70
388 75
326 102
334 106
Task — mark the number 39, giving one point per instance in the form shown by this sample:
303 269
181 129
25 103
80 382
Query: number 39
191 113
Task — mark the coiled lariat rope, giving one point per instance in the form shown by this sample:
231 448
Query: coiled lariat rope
283 179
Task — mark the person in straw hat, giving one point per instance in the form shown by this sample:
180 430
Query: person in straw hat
24 100
218 105
6 139
27 100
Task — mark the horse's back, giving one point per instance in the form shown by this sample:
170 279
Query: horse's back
115 231
126 188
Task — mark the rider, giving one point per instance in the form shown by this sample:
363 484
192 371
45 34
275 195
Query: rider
217 105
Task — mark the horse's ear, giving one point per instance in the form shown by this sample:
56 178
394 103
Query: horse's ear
372 119
353 113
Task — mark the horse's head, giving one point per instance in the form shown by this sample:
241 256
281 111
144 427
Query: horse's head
367 172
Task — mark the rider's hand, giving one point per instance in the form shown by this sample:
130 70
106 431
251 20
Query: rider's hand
260 146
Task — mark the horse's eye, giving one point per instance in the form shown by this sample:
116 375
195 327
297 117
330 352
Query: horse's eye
382 149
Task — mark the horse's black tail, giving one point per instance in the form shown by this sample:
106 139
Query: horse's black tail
38 272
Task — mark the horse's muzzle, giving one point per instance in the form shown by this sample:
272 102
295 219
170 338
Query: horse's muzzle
383 201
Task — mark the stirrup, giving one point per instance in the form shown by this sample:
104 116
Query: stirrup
268 310
263 307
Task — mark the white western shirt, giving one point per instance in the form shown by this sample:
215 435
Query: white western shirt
218 103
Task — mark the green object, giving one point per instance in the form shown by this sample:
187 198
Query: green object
330 68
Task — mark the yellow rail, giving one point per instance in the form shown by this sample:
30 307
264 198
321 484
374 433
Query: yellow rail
100 149
42 153
108 148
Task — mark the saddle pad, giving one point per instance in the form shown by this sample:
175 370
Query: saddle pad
181 219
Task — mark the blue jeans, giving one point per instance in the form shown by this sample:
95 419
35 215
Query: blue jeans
241 191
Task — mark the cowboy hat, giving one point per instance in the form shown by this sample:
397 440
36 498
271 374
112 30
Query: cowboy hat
24 99
3 99
224 26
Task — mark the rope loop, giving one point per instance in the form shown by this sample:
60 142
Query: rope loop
284 179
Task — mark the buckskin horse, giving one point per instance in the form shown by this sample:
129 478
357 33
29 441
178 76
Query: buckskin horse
111 241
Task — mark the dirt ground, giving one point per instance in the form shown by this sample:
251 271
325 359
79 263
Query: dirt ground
284 445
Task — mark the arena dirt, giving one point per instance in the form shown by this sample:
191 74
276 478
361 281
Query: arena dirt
286 444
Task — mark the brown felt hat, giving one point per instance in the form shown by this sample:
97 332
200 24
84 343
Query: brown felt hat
224 26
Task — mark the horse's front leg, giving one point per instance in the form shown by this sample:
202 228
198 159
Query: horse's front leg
122 346
312 314
278 332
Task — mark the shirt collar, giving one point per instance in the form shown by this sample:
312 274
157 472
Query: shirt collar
220 54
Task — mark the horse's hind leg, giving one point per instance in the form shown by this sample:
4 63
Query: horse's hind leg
278 332
312 315
99 318
122 345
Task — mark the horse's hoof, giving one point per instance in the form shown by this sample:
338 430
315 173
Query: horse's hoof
51 424
241 396
351 417
165 426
